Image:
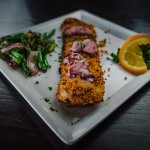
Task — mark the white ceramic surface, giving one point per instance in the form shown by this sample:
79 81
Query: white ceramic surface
70 124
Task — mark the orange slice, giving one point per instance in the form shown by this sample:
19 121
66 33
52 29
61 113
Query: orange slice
130 55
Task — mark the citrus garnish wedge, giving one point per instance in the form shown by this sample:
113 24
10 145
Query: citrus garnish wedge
130 54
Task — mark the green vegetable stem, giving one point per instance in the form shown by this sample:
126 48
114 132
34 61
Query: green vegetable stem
21 61
32 41
41 64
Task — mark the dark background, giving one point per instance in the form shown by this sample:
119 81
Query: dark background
127 128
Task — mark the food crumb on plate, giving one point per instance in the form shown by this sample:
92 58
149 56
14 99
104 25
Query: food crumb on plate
105 52
108 69
107 31
37 82
125 78
102 43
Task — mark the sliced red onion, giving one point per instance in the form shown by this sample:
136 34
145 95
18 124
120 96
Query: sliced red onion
89 46
12 46
76 69
80 69
12 63
77 46
31 62
77 30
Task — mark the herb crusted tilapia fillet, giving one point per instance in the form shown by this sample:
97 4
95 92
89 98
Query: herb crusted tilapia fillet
81 80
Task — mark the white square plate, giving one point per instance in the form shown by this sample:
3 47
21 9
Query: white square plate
70 124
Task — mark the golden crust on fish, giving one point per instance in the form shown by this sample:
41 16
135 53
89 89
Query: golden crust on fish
78 92
74 91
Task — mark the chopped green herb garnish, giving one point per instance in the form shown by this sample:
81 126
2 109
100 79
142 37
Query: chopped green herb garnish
115 56
46 99
125 78
37 82
74 122
84 45
60 58
50 88
52 109
59 37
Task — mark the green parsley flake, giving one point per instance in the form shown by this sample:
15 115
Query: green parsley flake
125 78
60 58
50 88
46 99
37 82
115 56
52 109
59 37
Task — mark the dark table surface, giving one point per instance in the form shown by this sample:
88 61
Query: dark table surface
127 128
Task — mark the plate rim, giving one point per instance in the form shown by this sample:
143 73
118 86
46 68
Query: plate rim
133 83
